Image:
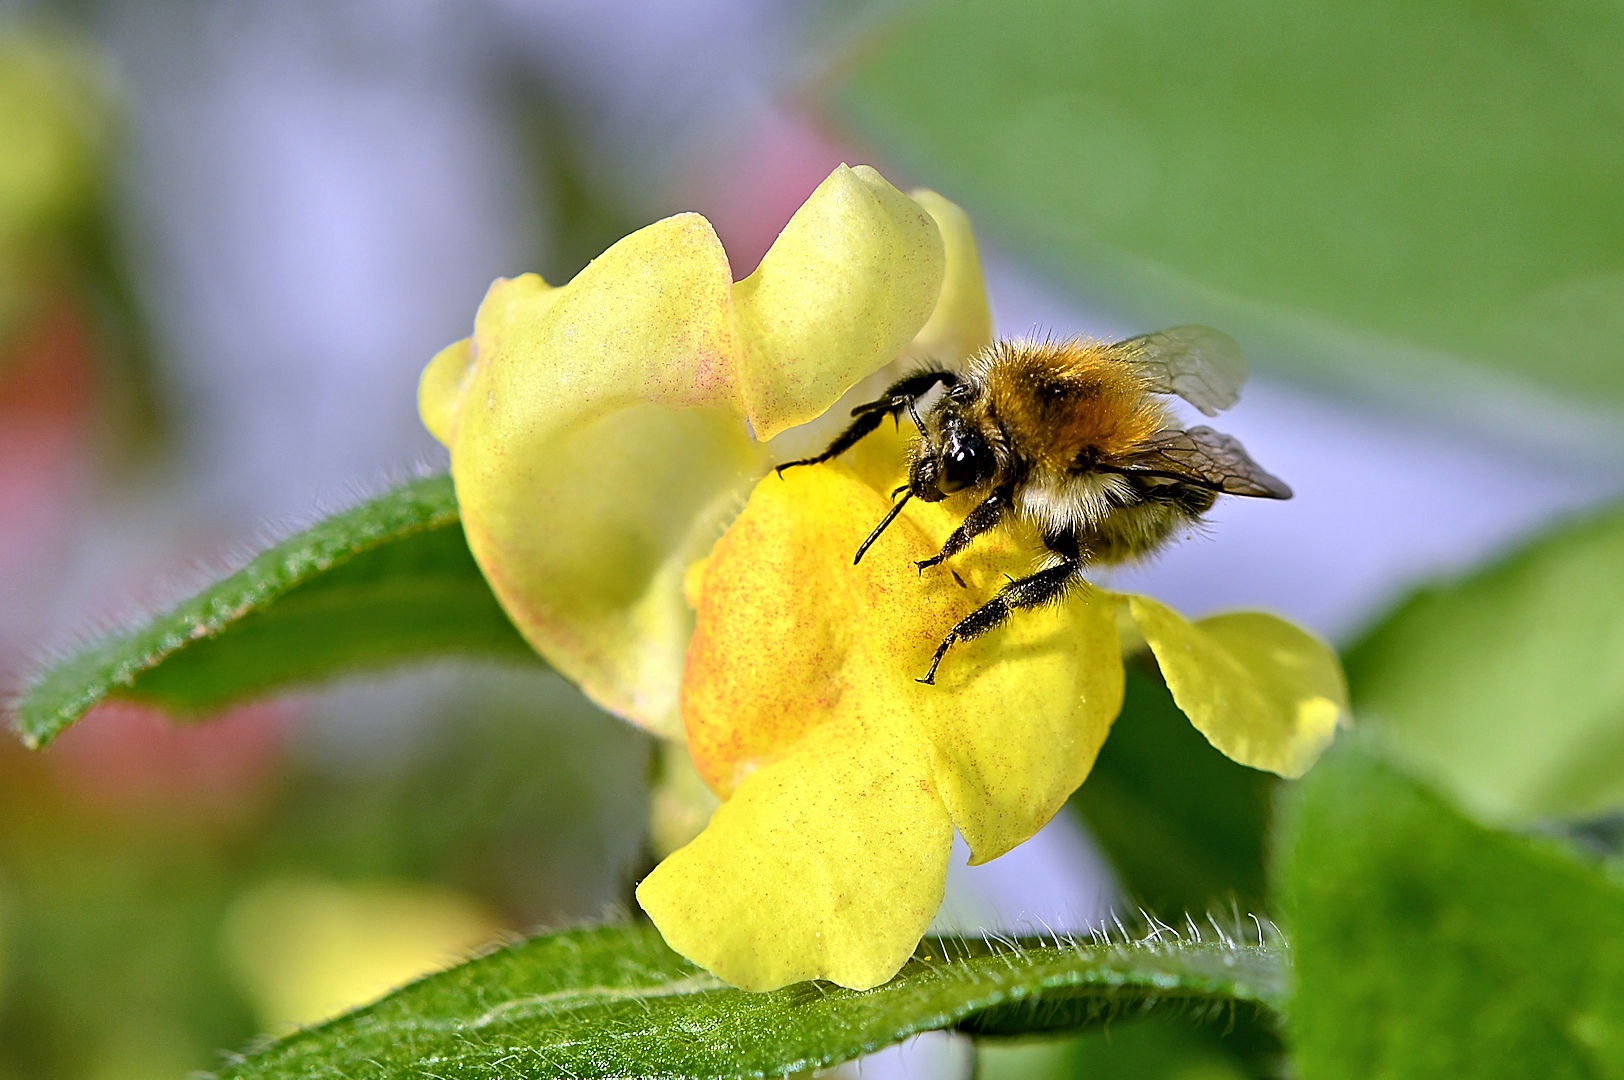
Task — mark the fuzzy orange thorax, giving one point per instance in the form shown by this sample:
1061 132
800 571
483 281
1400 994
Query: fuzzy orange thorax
1062 399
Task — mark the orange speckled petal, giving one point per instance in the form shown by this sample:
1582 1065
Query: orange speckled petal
799 657
791 640
829 864
1264 692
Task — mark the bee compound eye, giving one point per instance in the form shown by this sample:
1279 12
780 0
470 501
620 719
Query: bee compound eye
966 461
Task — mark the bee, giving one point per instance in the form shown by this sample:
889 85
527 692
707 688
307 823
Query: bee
1074 438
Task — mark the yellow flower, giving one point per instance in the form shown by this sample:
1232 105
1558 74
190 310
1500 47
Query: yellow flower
598 451
844 777
598 430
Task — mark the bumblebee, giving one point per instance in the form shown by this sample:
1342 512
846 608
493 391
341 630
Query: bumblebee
1074 438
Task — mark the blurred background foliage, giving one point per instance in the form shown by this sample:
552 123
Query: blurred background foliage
229 239
169 893
1411 185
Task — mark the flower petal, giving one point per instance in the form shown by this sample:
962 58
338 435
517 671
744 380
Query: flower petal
794 647
440 390
791 639
961 322
1264 692
596 450
829 864
849 282
960 325
1022 738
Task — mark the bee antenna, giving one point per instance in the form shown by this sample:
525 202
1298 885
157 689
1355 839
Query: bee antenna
878 529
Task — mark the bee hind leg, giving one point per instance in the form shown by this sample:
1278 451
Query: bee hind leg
1034 590
899 397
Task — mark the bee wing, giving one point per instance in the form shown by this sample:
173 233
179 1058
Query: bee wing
1209 458
1201 365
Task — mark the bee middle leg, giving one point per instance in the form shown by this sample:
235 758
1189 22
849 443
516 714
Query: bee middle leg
899 397
1034 590
987 514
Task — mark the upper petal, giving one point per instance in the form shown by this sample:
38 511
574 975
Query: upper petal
1264 692
849 282
959 325
961 322
596 449
646 321
442 386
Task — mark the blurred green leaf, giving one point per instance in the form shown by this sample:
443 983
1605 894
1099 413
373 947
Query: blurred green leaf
113 935
1182 824
586 200
1507 686
1426 945
1443 177
1143 1048
614 1001
521 792
386 582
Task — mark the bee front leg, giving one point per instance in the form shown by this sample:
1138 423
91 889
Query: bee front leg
901 394
987 514
1032 591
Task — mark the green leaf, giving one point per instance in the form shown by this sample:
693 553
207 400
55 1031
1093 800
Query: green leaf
1182 824
614 1001
1442 178
1426 945
384 583
1144 1048
1507 686
1184 828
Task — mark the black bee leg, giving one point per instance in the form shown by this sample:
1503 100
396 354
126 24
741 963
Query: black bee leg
906 390
899 398
1032 591
987 514
847 439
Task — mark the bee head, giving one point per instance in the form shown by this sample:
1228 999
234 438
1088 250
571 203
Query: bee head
960 458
